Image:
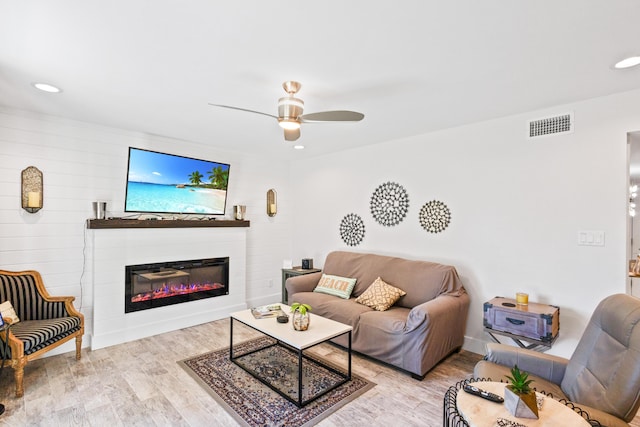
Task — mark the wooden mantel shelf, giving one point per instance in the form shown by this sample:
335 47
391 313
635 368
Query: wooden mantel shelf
163 223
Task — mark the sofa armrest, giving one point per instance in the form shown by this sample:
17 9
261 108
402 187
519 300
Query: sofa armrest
546 366
433 330
442 309
302 283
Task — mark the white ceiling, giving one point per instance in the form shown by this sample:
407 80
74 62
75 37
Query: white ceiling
411 67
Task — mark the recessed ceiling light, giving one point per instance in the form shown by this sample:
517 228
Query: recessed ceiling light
629 62
299 147
46 87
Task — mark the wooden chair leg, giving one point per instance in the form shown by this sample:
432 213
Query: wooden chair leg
19 376
78 347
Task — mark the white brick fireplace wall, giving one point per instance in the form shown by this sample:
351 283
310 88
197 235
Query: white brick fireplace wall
110 250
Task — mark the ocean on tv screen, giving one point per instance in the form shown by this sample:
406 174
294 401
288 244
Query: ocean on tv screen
158 198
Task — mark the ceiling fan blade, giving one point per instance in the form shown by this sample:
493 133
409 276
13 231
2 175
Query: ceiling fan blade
291 134
332 116
243 109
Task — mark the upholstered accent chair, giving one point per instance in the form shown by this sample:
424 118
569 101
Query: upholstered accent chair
45 321
602 376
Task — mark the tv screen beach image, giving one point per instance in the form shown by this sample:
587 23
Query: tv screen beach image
165 183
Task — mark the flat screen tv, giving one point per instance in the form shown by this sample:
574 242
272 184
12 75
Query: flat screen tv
169 184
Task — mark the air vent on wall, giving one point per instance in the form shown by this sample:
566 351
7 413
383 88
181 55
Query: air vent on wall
553 125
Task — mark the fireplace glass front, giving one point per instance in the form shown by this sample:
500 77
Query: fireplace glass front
156 285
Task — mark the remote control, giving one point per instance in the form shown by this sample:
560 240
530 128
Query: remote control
484 394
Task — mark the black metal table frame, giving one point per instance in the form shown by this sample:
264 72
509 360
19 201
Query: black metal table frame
452 418
300 402
536 345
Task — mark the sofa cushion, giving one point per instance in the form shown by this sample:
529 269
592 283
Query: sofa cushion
380 295
37 334
345 311
335 285
392 321
421 280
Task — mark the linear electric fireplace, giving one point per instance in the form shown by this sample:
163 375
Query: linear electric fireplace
165 283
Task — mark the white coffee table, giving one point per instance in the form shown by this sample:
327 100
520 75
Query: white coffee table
320 330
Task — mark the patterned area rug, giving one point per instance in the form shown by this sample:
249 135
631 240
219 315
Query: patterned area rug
254 404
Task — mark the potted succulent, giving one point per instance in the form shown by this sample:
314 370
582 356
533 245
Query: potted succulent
300 316
519 398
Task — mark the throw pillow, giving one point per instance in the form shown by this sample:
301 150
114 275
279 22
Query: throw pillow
380 295
335 285
8 313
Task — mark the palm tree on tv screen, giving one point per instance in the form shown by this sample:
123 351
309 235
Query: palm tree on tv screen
219 178
196 178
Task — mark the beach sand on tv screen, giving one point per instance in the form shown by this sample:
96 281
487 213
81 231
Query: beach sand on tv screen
158 198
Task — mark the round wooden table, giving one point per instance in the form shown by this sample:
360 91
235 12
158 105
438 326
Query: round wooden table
480 412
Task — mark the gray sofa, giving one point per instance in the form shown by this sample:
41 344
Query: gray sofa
421 329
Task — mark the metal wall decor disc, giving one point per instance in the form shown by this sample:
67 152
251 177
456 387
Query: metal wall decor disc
389 204
352 229
435 216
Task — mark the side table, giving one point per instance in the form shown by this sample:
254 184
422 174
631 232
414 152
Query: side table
533 326
462 409
291 272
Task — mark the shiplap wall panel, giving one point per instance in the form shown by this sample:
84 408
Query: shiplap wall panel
84 162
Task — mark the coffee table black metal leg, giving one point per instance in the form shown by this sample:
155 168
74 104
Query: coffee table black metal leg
300 378
231 339
349 356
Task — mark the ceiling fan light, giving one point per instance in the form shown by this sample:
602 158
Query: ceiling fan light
289 124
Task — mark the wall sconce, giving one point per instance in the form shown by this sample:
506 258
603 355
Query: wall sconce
32 189
272 202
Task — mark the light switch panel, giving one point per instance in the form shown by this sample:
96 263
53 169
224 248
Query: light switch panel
591 238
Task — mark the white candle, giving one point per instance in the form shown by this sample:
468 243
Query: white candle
33 199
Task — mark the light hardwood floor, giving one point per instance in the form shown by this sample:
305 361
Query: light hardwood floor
140 384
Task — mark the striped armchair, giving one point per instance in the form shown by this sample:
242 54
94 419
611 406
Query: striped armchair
45 321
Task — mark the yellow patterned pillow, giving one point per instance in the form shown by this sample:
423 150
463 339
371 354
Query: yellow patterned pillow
380 295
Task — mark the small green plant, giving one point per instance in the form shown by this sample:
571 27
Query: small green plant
519 380
302 308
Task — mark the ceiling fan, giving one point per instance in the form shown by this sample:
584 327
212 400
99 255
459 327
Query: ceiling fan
290 111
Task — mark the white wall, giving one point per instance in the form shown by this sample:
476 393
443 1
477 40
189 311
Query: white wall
83 162
517 206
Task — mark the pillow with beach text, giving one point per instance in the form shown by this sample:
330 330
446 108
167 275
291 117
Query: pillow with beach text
335 285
